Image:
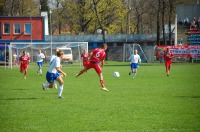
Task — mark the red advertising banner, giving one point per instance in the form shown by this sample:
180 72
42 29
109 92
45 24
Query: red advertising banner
179 51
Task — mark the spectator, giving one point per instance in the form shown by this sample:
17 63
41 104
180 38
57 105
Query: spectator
180 22
198 23
193 24
186 21
180 41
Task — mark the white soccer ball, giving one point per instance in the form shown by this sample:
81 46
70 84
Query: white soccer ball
116 74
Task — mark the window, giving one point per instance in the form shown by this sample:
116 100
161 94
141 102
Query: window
7 28
28 28
17 28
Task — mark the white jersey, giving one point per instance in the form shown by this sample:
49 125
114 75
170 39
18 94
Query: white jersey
135 58
52 57
53 64
40 57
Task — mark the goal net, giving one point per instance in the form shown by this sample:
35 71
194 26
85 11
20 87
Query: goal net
128 50
48 48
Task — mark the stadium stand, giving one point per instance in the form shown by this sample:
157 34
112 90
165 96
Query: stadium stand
194 36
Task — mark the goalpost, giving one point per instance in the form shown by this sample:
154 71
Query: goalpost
47 48
128 50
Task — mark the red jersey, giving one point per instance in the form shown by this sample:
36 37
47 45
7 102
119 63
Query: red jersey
24 59
168 58
84 56
98 55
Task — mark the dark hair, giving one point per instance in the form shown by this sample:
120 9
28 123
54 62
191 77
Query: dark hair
59 53
104 46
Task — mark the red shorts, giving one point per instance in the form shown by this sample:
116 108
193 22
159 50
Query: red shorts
168 63
23 67
94 65
85 63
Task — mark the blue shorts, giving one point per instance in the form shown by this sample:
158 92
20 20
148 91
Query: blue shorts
134 66
52 76
39 63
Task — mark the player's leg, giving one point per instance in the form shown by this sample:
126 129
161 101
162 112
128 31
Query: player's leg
61 85
38 68
134 72
87 67
168 70
50 77
21 69
99 72
131 66
41 63
25 73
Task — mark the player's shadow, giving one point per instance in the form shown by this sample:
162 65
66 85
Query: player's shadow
188 96
20 98
20 89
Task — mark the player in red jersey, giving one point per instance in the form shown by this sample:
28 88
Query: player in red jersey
97 56
24 61
168 55
84 57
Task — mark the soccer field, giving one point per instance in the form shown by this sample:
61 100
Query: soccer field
150 102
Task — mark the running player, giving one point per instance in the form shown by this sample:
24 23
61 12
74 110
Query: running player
54 73
168 55
24 61
40 56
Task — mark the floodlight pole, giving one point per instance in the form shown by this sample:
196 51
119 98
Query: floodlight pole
51 30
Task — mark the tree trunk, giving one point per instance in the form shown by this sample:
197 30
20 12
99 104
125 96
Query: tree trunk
158 24
163 22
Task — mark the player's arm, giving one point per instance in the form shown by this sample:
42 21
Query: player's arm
90 55
102 63
140 59
20 60
60 71
130 58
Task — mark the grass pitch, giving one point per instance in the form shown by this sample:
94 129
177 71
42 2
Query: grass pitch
150 102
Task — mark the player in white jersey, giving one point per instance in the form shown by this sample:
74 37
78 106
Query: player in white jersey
52 57
53 73
40 56
134 60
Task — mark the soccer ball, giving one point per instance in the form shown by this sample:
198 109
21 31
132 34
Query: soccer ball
116 74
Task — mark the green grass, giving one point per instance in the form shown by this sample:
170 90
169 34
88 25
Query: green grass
150 102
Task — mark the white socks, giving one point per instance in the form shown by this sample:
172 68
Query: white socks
60 89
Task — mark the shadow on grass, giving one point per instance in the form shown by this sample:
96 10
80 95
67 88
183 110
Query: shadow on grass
20 89
188 96
19 99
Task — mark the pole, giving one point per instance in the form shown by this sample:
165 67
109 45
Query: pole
51 30
175 43
5 55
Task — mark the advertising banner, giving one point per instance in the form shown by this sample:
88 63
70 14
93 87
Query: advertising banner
179 51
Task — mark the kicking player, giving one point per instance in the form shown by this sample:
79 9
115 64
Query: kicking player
97 56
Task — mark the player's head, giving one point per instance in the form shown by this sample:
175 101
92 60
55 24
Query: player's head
84 51
135 51
56 50
104 46
39 51
60 53
167 49
24 53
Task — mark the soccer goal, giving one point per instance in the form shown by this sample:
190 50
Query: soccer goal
128 50
47 48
